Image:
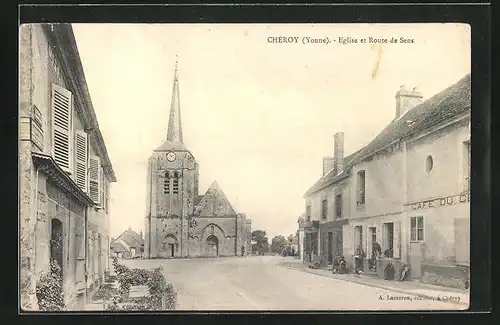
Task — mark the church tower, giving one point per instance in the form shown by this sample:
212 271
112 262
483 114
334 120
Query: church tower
172 186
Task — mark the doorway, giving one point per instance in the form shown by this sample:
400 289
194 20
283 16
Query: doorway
171 249
212 246
169 246
56 243
388 239
330 248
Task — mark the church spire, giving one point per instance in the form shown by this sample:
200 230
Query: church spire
174 133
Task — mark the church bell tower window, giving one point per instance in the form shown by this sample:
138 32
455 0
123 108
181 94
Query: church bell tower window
175 187
166 183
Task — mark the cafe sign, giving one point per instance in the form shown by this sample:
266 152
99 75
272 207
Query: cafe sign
434 203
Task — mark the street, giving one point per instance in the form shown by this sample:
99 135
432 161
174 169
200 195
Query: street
260 283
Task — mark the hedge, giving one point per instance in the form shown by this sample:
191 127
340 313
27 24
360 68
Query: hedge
156 282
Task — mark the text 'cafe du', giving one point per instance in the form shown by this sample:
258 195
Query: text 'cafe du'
450 200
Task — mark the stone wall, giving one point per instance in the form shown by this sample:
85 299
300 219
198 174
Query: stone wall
58 205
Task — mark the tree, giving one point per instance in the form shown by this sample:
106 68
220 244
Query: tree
260 243
278 244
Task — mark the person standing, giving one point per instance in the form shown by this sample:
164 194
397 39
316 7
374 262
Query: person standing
358 260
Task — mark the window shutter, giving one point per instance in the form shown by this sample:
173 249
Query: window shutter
94 178
365 239
61 126
81 144
385 242
356 239
101 187
397 240
369 244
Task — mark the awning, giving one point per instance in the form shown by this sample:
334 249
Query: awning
46 164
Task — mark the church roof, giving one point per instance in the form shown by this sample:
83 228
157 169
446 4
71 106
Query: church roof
174 133
169 145
215 203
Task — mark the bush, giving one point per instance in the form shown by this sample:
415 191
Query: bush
49 289
156 282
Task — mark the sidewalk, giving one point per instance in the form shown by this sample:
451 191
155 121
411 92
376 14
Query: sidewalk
414 288
96 301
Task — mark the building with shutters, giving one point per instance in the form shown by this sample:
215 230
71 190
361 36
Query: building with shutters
328 207
408 190
64 169
179 222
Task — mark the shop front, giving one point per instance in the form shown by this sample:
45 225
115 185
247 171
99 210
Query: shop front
311 240
331 239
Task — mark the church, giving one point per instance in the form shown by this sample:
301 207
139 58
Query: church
179 221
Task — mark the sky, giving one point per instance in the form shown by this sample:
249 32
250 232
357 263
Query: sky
258 116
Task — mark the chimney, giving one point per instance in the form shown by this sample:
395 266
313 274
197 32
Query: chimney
140 234
328 164
407 99
338 152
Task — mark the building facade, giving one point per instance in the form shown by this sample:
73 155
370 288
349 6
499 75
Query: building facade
328 207
409 189
64 169
180 222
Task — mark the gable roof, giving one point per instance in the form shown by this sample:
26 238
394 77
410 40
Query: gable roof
448 103
452 101
131 238
118 247
215 203
330 178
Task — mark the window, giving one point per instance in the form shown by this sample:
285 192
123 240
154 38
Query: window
429 164
417 228
94 178
467 160
166 183
324 209
175 186
61 105
338 206
361 188
308 213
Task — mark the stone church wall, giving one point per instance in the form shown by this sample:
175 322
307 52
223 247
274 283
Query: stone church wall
168 231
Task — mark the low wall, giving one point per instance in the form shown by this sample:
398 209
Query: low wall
455 276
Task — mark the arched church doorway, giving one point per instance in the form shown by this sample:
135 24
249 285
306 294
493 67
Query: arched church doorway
212 246
169 246
56 242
